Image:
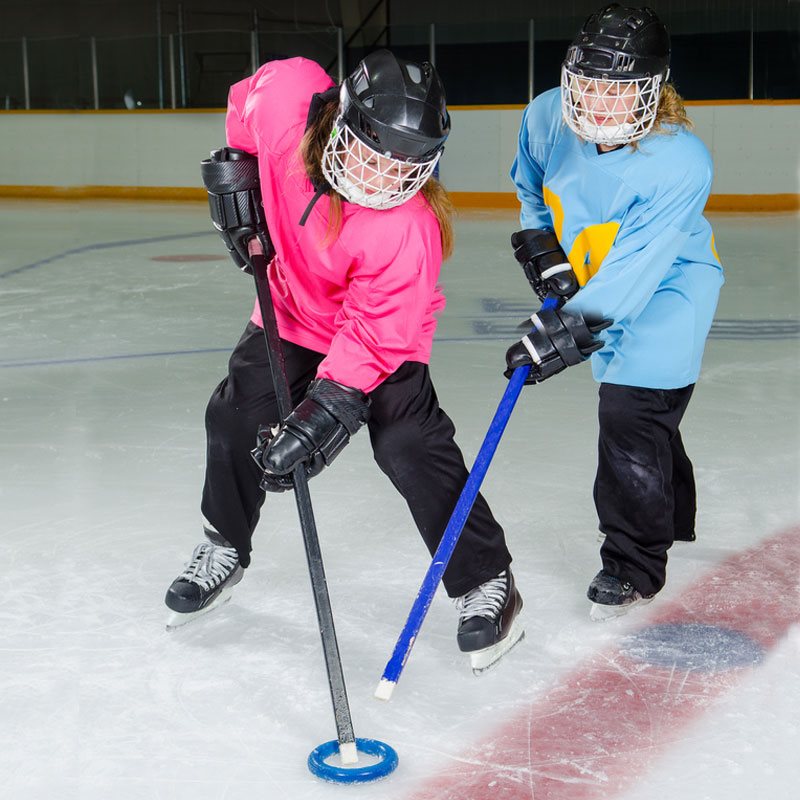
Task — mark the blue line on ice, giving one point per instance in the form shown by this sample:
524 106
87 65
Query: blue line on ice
102 246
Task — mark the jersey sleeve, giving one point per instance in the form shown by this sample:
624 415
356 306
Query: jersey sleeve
265 109
649 241
237 133
387 304
528 168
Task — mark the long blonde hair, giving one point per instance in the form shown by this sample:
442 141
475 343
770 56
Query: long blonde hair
670 111
312 146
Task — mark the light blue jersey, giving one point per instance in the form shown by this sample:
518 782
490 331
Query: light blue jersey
632 225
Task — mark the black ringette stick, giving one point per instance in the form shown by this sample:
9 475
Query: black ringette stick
231 178
259 248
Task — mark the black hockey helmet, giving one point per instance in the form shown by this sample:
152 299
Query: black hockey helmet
396 107
620 43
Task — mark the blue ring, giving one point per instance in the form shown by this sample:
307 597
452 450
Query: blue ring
374 772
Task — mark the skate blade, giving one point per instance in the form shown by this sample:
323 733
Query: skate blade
484 660
178 619
601 613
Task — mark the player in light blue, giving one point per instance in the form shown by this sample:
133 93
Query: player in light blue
612 186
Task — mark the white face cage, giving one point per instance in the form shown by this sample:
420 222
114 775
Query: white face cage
610 112
368 178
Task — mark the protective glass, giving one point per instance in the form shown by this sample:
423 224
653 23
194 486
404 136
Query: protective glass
366 177
608 111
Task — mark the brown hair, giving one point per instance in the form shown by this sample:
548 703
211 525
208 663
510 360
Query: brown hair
442 206
312 146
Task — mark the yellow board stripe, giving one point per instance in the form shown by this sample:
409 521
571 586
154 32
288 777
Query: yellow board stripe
753 202
465 200
716 202
468 107
105 192
127 111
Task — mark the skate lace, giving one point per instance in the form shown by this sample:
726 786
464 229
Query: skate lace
210 565
486 600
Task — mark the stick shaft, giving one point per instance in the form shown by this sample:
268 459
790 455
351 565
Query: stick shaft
454 527
458 519
316 569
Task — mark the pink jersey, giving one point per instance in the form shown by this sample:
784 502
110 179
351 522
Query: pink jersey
368 297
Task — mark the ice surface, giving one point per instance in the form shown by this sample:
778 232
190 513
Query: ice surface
106 361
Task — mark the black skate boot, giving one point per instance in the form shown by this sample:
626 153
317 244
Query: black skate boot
612 597
207 581
488 621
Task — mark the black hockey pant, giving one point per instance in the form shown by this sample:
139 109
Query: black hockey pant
412 440
644 491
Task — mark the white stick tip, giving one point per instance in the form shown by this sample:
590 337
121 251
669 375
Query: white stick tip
348 752
385 689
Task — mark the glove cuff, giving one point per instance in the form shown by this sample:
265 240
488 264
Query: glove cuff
347 405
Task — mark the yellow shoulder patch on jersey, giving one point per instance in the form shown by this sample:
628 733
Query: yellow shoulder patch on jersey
553 202
590 246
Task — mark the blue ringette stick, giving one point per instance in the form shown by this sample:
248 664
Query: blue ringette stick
402 650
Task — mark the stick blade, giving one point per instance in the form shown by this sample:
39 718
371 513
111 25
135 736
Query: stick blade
348 752
385 689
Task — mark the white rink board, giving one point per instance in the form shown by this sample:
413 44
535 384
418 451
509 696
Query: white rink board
150 149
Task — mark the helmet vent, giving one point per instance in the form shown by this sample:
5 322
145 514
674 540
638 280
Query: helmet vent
625 63
634 22
414 72
362 83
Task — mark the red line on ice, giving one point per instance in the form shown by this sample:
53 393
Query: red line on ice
600 728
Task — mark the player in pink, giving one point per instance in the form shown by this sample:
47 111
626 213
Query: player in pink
360 227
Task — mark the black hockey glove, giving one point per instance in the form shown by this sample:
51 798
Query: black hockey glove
269 483
545 264
234 199
558 339
315 432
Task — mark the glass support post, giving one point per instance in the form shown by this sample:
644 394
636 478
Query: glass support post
750 66
530 60
254 54
181 58
159 55
340 54
95 79
172 84
26 75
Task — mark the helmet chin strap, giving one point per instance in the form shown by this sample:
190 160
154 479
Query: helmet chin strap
355 193
607 134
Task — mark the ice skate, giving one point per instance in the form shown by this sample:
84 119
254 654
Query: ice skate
612 597
489 624
205 584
